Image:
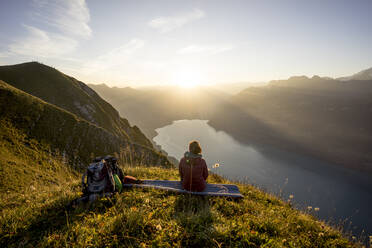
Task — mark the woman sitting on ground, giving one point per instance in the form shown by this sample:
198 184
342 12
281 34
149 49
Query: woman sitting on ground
193 169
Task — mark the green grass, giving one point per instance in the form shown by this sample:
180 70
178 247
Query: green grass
33 180
148 217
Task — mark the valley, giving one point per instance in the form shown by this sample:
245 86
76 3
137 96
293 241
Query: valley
320 117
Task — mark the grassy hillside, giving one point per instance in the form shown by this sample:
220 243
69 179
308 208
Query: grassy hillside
38 186
32 178
74 137
151 218
42 150
72 95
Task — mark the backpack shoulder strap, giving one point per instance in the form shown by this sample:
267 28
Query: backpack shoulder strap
83 178
110 175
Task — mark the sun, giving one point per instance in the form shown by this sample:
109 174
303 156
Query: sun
187 83
187 79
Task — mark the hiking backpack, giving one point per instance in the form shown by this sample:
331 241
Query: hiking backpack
100 178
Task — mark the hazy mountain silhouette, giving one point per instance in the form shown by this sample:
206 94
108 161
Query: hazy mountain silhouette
323 117
319 116
362 75
235 88
155 107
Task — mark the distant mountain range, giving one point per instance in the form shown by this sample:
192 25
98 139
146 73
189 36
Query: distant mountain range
323 117
235 88
155 107
64 113
319 116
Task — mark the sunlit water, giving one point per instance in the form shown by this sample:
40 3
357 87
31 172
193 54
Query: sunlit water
340 194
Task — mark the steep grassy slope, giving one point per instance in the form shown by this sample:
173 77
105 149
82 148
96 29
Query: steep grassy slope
26 164
32 178
61 130
72 95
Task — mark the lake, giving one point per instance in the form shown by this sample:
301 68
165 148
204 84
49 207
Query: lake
342 195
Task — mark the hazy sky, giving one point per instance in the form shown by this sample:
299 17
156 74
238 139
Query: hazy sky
167 41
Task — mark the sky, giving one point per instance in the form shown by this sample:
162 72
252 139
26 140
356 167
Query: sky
147 42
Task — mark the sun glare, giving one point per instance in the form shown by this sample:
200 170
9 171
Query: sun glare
187 84
187 79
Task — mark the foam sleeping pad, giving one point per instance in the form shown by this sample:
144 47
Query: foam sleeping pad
228 190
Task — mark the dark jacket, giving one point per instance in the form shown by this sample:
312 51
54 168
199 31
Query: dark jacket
193 171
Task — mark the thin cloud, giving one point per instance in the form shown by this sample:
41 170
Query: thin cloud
115 57
39 43
210 49
4 55
168 23
69 16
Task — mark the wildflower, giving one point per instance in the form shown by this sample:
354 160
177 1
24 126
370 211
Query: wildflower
284 240
291 196
216 165
316 209
309 208
158 227
321 234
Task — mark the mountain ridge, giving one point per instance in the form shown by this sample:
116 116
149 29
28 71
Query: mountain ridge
64 131
74 103
68 93
362 75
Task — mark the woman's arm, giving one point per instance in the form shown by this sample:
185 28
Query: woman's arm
180 169
205 170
